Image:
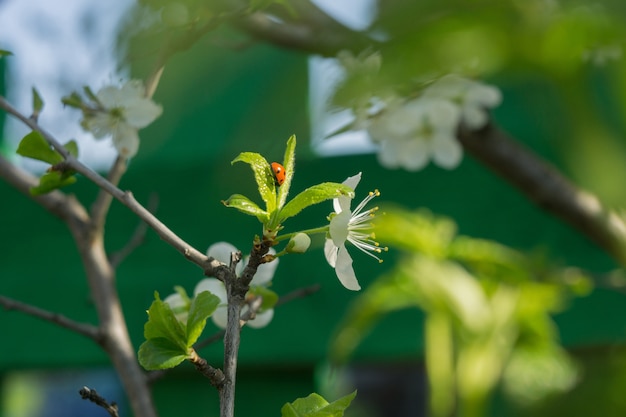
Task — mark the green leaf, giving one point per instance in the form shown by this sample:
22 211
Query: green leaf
314 195
162 323
289 163
35 146
89 93
263 176
52 180
202 306
4 52
316 406
270 298
72 148
245 205
160 353
37 102
73 100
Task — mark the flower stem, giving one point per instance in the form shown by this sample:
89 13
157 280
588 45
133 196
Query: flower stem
316 230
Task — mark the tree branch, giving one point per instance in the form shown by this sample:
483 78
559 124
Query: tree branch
65 207
211 267
548 188
91 395
83 329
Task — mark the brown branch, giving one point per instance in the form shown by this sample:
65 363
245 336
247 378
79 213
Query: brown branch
63 206
211 267
91 395
216 376
548 188
84 329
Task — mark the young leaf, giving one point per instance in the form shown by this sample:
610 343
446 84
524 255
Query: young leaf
162 323
263 176
37 102
289 163
35 146
52 180
314 195
160 353
245 205
202 306
72 148
316 406
4 52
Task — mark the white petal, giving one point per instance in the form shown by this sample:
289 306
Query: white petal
220 317
474 117
447 152
140 112
262 319
174 300
344 270
338 228
131 90
100 125
443 114
126 140
221 251
343 203
109 96
389 154
485 95
415 154
265 272
212 285
330 252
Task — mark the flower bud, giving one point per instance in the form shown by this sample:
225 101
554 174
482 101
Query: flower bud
299 243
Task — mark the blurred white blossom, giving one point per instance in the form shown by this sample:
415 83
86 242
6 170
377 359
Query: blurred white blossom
413 133
472 97
121 112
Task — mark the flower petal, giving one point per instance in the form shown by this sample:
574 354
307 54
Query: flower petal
221 251
265 272
140 112
214 286
330 252
220 317
447 152
126 139
344 270
343 203
338 228
262 319
109 96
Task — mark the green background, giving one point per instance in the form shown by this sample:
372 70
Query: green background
254 101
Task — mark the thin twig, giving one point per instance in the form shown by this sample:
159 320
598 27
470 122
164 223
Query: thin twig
210 266
87 393
137 238
215 376
84 329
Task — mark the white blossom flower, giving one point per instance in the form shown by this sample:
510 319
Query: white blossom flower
412 133
473 98
265 272
354 227
122 112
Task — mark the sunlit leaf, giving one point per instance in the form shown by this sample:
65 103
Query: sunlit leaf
34 146
314 195
202 306
245 205
290 164
162 323
160 353
263 175
316 406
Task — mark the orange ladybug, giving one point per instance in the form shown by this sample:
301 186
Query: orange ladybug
279 173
